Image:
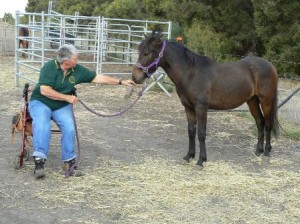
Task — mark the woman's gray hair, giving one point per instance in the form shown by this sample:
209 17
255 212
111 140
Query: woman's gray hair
65 52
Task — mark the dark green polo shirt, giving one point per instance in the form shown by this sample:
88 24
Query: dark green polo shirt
51 75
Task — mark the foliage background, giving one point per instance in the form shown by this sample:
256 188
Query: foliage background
224 30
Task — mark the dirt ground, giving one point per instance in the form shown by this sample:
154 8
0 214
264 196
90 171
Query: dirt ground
133 170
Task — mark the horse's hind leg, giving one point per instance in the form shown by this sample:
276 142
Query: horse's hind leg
267 110
255 110
191 119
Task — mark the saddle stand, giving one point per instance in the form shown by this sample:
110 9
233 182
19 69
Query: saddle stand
22 122
157 76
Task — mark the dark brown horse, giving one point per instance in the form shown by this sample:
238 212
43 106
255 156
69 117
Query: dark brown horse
203 84
23 42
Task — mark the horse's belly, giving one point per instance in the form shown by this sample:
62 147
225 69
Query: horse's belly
224 106
226 103
223 97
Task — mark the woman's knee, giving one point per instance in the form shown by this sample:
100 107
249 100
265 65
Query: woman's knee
67 126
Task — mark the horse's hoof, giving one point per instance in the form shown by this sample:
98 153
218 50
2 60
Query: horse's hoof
266 153
183 162
187 158
257 153
199 167
200 162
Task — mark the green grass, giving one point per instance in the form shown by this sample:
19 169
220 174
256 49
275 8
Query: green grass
289 130
292 132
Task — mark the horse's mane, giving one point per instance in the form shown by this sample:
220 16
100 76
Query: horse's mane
193 59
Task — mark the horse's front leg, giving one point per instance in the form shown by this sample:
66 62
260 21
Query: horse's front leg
192 121
202 120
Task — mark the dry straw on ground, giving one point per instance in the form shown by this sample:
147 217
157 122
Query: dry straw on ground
161 191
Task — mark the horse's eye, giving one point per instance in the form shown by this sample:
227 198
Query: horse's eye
146 53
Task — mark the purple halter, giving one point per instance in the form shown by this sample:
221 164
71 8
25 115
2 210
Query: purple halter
155 62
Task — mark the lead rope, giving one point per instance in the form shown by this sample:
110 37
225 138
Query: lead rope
140 93
69 172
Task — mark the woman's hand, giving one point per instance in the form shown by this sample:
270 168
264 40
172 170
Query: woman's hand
72 99
128 82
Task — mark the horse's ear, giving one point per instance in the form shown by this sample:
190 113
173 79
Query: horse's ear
157 34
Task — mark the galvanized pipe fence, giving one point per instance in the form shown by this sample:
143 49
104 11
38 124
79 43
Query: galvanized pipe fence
106 45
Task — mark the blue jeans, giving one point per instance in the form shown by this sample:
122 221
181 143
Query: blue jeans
41 127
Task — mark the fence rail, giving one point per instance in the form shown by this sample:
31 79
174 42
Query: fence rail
104 44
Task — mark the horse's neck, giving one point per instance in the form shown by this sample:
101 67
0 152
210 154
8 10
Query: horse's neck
173 64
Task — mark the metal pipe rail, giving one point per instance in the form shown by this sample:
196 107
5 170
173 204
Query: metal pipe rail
103 43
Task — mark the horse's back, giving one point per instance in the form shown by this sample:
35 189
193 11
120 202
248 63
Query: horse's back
260 67
237 82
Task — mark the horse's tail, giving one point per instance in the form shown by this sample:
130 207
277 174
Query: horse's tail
274 115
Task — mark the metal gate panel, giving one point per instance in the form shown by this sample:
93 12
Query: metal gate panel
106 45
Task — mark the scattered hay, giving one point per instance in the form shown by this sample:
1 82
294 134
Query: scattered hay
161 191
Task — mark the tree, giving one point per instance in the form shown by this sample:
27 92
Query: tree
37 6
205 41
235 21
69 7
8 18
124 9
277 25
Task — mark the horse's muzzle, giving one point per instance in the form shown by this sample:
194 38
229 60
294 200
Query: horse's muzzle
138 76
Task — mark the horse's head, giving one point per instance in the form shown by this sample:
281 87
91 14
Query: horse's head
150 52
